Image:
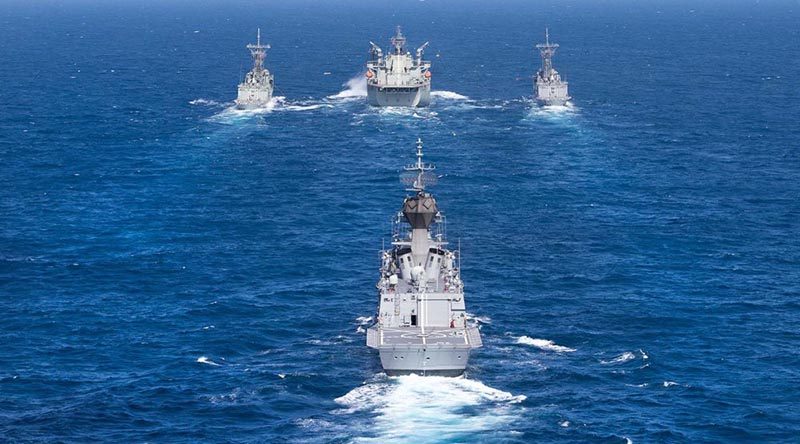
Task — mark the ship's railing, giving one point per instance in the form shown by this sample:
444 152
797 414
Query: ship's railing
373 337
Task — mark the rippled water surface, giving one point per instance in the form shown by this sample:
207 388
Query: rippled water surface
174 270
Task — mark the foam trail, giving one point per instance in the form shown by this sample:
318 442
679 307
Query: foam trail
479 319
448 95
205 360
554 112
207 102
544 344
625 357
231 115
354 88
431 409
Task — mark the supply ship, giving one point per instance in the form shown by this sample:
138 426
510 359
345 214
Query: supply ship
398 79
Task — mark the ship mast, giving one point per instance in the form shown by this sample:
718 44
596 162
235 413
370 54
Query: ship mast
258 52
547 50
398 41
422 178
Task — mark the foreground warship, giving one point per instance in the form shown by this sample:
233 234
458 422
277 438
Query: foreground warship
256 89
421 326
398 79
548 86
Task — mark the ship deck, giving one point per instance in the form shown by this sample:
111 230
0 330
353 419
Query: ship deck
414 337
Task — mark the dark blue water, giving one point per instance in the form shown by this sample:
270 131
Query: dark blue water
175 271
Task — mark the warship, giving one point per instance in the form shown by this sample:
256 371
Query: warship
421 326
398 79
256 89
548 86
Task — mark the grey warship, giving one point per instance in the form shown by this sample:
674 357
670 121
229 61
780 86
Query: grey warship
421 326
549 89
398 79
256 89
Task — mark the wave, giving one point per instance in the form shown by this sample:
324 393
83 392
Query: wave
553 111
355 87
544 344
304 107
205 360
479 319
625 357
232 114
364 320
431 408
205 102
448 95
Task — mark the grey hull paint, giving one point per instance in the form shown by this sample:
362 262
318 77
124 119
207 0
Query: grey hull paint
419 96
447 373
551 102
421 325
424 361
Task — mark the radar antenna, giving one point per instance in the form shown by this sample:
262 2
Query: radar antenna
418 176
258 52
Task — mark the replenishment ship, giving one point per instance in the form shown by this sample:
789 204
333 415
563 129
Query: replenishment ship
398 79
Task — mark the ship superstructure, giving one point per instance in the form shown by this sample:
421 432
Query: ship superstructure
421 326
548 87
398 79
256 89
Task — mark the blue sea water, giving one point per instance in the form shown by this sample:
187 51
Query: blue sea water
172 270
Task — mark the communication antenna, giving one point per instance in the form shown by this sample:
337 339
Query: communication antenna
419 175
258 51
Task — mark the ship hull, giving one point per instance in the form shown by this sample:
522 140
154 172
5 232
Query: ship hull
398 361
416 96
555 94
551 102
253 98
438 352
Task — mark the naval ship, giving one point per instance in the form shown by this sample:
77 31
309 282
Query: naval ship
256 89
421 326
398 79
548 86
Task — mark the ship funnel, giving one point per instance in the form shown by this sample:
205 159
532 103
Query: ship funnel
419 210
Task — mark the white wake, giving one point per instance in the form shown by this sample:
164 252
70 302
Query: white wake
448 95
354 88
544 344
430 409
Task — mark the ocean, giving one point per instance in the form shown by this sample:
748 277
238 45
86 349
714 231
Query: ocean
174 270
